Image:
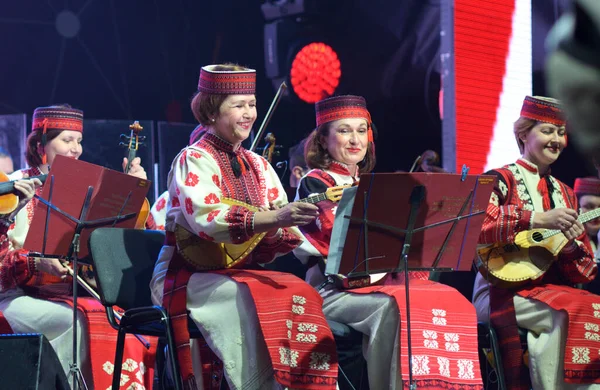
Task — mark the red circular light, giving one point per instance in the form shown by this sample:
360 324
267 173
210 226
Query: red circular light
315 72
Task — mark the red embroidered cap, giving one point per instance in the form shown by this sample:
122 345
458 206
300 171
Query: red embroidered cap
587 186
543 111
57 118
227 82
341 107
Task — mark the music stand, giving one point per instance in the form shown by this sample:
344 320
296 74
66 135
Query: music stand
438 232
50 244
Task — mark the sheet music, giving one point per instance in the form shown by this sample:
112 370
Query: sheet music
339 231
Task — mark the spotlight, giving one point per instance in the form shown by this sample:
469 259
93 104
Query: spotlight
315 72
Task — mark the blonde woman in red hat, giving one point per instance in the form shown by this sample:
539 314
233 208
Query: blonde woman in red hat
35 293
266 327
444 325
562 322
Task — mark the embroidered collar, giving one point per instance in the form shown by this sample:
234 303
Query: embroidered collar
220 143
35 171
341 169
531 167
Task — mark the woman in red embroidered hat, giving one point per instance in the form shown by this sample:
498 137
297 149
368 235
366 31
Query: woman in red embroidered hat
341 148
562 322
35 293
227 214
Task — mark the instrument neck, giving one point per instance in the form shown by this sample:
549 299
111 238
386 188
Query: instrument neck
583 218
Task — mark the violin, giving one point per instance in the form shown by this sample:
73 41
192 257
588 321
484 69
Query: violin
132 142
9 197
270 148
428 162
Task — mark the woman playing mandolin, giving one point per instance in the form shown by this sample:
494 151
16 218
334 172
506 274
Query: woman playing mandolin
266 327
341 148
35 292
561 321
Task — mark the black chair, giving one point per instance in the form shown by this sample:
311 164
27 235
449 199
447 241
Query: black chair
124 261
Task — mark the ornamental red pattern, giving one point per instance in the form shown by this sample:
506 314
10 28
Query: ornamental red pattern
175 202
195 154
272 194
212 215
215 179
177 191
191 180
211 199
205 236
161 204
265 164
189 208
182 157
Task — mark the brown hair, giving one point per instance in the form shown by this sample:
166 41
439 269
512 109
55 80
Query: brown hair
206 106
32 155
317 157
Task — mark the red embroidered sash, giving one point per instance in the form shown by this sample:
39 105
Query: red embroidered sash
138 362
444 335
297 335
582 362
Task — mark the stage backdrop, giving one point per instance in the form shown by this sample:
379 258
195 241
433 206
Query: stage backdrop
486 71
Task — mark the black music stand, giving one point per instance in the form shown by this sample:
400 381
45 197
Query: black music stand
72 254
446 229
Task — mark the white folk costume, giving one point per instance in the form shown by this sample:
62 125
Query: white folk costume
562 322
158 211
444 326
267 327
34 302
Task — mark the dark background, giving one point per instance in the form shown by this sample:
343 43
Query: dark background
140 59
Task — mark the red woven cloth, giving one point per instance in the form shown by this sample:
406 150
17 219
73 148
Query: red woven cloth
443 335
138 362
582 362
297 335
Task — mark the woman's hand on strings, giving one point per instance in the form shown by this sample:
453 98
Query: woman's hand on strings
292 214
296 214
26 190
135 169
52 267
559 219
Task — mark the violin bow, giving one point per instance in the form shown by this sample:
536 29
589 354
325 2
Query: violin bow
265 121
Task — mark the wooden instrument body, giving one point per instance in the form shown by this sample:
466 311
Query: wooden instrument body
204 255
509 265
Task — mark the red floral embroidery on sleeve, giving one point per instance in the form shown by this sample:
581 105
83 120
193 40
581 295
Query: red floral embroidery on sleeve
182 157
195 154
211 199
215 179
191 180
177 191
272 194
265 164
161 204
212 215
205 236
175 202
188 206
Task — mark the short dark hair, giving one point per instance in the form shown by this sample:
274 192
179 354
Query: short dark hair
296 153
